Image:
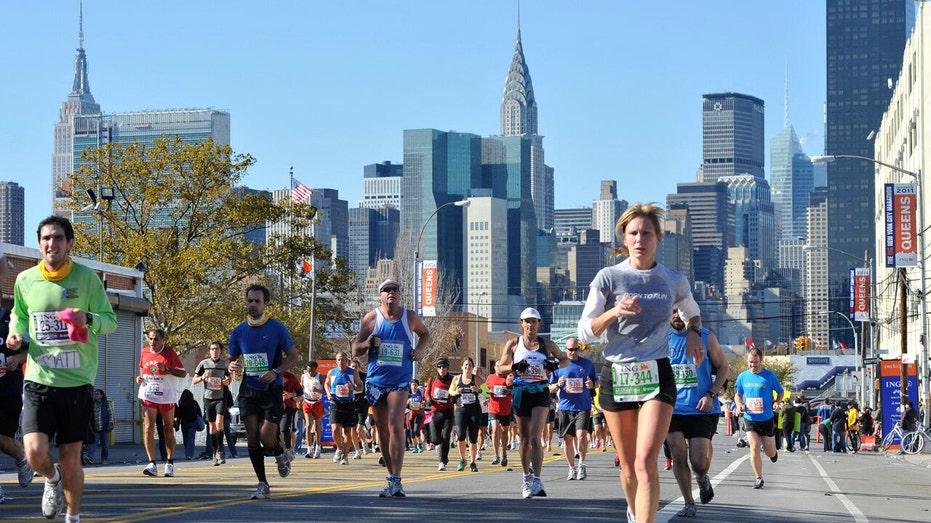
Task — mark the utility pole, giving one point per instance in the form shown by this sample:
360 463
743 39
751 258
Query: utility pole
903 329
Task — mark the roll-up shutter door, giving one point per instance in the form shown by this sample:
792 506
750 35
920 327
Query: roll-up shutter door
116 373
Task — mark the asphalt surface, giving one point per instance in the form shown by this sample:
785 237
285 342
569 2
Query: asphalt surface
800 487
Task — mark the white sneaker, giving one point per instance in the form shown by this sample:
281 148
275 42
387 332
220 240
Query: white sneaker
537 487
527 489
343 461
169 471
581 473
478 456
25 474
357 454
261 492
317 452
53 498
572 474
151 469
337 456
441 466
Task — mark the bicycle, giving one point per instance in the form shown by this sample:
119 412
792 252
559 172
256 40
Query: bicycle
888 439
914 441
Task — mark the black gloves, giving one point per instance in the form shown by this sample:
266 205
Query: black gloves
551 365
520 366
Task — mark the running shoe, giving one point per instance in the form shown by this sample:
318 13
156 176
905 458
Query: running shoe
582 473
388 490
169 470
496 460
504 460
758 484
668 464
631 518
284 465
25 474
338 456
705 490
216 460
775 457
473 467
222 459
309 454
357 454
87 460
441 466
381 461
343 461
527 489
317 452
398 491
53 498
537 487
151 469
688 511
261 492
478 456
572 474
461 466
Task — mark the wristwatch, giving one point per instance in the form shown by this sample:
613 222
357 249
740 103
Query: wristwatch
710 394
277 372
90 318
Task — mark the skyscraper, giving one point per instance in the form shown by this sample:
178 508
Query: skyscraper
381 185
519 118
732 136
80 101
791 178
12 213
711 216
486 275
373 234
865 42
754 217
606 211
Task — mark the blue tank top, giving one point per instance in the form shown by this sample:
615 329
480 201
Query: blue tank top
342 385
691 382
391 364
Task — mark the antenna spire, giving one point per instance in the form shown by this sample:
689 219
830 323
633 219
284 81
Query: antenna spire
786 114
81 25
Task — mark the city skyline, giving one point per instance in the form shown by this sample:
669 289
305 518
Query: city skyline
612 102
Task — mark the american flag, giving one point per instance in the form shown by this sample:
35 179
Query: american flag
300 193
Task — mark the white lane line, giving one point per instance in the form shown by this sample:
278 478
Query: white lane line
668 512
851 508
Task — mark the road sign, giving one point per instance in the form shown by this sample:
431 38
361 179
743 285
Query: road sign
870 361
880 351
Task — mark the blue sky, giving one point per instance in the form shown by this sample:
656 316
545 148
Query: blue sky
329 86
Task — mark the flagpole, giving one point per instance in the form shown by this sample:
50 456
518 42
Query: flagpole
313 308
290 226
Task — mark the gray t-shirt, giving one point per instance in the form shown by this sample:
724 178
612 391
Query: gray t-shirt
213 373
644 336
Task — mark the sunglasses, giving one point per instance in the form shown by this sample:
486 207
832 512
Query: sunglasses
573 349
390 289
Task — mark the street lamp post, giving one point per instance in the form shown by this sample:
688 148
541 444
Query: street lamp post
923 339
107 194
478 306
856 350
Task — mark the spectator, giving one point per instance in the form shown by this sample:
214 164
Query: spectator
867 427
103 425
803 413
186 414
839 428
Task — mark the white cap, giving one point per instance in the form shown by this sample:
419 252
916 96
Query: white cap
530 314
387 282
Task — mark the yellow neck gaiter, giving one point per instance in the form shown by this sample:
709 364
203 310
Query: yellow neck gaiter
58 275
259 322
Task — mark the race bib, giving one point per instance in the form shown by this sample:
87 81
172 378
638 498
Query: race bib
754 405
636 381
154 387
415 405
500 391
441 394
467 398
574 385
213 383
390 353
255 364
50 330
686 375
535 372
342 390
311 390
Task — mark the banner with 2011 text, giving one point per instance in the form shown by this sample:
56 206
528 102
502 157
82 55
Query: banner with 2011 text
901 214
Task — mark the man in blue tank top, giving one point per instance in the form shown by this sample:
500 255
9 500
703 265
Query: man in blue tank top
695 418
387 337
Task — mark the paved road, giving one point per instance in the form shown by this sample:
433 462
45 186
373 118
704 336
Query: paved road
800 487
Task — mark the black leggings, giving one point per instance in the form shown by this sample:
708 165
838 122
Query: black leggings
441 426
468 421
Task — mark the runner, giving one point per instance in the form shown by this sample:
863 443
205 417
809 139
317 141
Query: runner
630 304
387 336
360 440
214 373
11 391
256 348
465 389
697 412
64 308
500 384
527 355
753 394
291 392
312 382
342 384
574 384
159 366
415 408
441 409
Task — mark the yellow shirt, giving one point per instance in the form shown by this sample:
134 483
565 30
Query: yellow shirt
853 419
